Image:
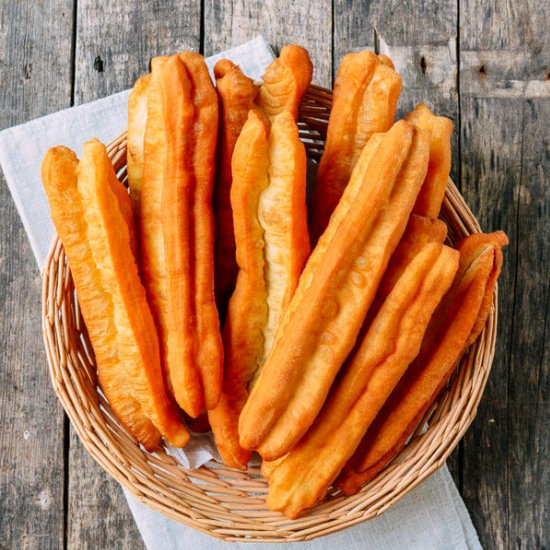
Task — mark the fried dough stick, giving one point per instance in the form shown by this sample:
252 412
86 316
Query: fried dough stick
364 102
236 93
456 324
285 82
269 208
137 119
177 227
93 218
431 195
247 314
391 343
208 341
419 232
336 288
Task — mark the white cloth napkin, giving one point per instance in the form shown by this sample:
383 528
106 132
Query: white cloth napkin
431 516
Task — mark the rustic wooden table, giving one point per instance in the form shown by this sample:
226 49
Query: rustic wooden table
484 64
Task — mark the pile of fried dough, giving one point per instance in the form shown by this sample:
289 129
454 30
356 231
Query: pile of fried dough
317 336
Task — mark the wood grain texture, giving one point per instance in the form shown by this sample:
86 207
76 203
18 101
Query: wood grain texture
98 512
35 48
228 23
505 105
114 45
116 41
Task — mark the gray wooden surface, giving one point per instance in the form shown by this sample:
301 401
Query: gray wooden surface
484 64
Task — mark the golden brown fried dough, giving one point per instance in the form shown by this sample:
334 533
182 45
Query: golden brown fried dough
236 94
93 217
137 119
283 216
269 209
455 325
363 103
247 313
165 230
419 232
285 82
177 227
208 342
471 250
391 343
268 466
335 291
431 195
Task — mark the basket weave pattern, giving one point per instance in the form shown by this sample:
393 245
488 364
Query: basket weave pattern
217 500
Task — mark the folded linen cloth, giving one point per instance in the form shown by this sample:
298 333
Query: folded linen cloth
431 516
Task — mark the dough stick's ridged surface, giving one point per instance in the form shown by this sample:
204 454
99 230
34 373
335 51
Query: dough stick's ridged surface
94 222
169 93
285 82
283 216
137 120
335 291
419 232
268 200
371 373
471 249
236 93
208 342
431 195
364 102
452 329
177 227
247 313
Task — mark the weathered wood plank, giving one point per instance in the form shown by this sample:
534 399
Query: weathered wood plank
115 43
491 167
529 383
421 42
230 22
98 513
505 105
35 78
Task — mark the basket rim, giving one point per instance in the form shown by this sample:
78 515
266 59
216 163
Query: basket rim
355 509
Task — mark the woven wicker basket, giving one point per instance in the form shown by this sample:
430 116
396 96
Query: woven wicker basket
217 500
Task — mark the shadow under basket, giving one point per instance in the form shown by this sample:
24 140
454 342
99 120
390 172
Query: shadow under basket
226 503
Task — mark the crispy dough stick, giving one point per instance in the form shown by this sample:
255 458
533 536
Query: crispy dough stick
283 216
364 102
268 199
165 226
453 328
285 82
391 343
470 249
268 466
176 222
198 425
247 313
336 288
95 224
419 232
137 119
236 94
208 341
431 195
